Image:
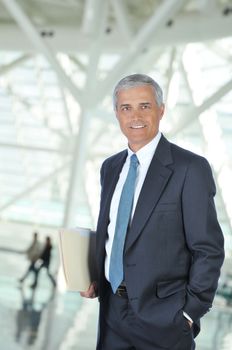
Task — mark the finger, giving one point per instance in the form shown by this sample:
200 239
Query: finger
88 294
85 294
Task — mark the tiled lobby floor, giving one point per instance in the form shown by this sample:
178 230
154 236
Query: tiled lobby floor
62 320
45 319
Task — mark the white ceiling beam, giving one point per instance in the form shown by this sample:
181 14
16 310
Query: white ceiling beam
148 60
170 69
29 108
88 15
122 19
141 41
96 48
66 111
33 35
208 6
62 3
214 98
220 51
76 194
186 81
34 187
183 30
92 17
33 148
194 113
14 64
77 62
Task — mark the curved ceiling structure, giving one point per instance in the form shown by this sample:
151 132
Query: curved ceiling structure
59 61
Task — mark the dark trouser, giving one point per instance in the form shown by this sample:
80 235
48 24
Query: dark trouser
34 285
31 268
121 330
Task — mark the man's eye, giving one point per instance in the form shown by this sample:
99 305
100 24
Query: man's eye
125 108
145 106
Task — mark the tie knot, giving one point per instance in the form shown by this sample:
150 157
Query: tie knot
134 160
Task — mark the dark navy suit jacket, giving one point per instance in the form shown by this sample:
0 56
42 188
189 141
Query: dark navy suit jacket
174 247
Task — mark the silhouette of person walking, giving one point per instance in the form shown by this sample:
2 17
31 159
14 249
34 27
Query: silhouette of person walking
32 252
45 259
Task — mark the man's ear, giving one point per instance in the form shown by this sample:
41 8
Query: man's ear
162 110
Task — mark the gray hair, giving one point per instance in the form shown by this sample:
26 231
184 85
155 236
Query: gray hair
135 80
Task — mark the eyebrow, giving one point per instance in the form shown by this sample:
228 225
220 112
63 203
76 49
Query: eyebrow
145 103
140 104
124 105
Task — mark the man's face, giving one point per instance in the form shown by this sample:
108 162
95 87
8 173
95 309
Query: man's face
138 115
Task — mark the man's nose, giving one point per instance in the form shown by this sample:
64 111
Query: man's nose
136 114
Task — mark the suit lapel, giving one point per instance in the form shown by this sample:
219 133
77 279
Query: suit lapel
154 184
110 180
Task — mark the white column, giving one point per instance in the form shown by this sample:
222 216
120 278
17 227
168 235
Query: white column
77 210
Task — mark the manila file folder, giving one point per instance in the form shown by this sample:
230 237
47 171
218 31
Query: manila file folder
77 252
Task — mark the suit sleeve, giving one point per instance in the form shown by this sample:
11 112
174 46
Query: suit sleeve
203 236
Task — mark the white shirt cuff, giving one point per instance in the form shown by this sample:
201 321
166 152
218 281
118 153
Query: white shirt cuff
187 316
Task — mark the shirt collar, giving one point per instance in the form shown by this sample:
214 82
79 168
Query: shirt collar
147 151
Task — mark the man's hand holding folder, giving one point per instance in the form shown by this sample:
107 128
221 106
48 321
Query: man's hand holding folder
91 292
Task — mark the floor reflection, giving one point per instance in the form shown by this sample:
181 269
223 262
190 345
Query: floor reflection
46 317
29 316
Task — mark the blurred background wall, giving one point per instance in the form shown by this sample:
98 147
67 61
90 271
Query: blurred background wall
59 61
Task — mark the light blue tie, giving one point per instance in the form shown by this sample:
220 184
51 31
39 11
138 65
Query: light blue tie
122 222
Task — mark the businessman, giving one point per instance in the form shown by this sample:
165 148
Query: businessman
159 244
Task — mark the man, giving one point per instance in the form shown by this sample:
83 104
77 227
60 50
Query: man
45 259
32 252
153 294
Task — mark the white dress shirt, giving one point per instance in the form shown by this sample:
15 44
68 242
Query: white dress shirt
144 155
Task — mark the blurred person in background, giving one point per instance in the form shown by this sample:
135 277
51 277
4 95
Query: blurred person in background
33 252
44 262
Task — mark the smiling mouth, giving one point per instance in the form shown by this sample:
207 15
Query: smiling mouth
137 126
